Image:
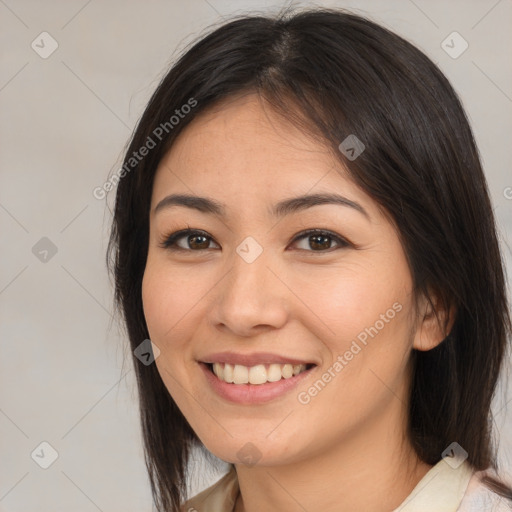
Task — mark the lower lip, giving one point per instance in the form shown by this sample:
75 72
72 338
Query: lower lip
252 393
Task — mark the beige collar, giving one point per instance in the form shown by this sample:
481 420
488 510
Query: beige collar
441 489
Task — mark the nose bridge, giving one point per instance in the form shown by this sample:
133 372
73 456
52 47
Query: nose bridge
249 275
250 294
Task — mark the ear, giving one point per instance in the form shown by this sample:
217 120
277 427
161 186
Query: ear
434 323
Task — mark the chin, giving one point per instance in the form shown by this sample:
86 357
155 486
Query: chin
251 452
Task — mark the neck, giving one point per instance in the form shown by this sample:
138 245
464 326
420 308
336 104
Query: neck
374 471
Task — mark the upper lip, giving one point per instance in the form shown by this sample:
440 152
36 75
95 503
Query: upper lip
251 359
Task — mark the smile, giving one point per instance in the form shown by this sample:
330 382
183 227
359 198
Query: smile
258 374
257 383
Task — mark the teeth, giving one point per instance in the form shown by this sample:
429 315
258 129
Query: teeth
228 373
218 369
259 374
240 374
287 371
274 373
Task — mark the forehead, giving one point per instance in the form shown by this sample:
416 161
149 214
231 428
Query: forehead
243 150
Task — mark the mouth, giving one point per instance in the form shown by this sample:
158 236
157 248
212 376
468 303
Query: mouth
257 378
259 374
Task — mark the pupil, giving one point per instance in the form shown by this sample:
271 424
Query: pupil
203 245
319 245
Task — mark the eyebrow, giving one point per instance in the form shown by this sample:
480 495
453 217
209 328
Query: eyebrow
281 209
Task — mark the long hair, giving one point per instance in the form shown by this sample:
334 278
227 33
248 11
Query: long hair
336 74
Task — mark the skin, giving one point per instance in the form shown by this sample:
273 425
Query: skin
347 449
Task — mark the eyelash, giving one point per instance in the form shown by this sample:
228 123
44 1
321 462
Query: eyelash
169 241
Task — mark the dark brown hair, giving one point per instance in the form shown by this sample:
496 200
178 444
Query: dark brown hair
338 74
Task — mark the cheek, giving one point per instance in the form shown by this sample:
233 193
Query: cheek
165 305
162 310
167 298
369 315
346 302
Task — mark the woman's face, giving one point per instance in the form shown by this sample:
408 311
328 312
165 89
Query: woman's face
322 324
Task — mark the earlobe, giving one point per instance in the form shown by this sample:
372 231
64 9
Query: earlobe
432 328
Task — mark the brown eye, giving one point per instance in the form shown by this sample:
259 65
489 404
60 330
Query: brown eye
320 241
198 242
191 240
194 240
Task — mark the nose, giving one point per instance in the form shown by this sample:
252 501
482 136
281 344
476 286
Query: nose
251 298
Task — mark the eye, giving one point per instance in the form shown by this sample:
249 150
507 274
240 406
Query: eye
320 240
194 240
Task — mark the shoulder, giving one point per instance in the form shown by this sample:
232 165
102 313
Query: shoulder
479 498
220 497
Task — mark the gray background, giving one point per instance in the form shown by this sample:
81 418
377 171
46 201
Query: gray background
65 121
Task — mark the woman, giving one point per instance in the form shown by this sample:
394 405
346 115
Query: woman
303 231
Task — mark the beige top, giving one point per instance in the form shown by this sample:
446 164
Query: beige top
442 489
